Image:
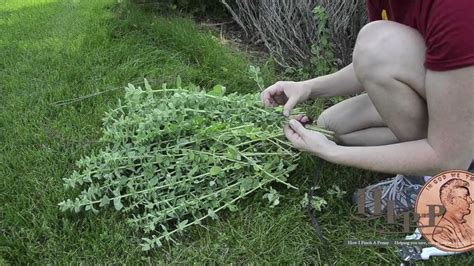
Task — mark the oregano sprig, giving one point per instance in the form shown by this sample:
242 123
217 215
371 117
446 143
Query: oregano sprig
173 157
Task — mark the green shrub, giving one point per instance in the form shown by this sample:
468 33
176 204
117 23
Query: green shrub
322 52
287 28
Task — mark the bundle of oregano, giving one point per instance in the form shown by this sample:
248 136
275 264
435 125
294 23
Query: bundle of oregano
174 157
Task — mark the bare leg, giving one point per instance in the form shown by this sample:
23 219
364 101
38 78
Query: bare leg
373 136
357 123
388 61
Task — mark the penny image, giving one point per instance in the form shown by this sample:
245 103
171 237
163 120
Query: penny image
445 211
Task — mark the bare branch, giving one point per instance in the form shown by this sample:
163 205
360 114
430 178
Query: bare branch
288 27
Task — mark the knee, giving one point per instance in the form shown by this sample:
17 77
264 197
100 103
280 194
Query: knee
322 121
385 49
326 121
370 52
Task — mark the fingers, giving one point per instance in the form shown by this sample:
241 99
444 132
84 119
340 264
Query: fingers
268 96
280 98
289 105
265 98
275 95
298 128
305 120
301 118
295 133
293 137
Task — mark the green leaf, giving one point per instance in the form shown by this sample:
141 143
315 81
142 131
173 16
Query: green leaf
217 90
182 225
280 165
292 167
178 82
118 204
104 201
77 206
193 171
256 168
247 183
212 214
215 170
232 207
158 243
147 85
145 247
153 181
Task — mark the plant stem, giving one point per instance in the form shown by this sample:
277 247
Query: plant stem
216 210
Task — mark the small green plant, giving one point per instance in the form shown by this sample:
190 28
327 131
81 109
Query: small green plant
336 191
323 57
273 197
318 203
256 76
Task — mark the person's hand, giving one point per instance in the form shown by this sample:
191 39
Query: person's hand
307 140
287 93
303 119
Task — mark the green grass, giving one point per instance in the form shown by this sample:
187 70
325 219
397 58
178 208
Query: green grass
57 50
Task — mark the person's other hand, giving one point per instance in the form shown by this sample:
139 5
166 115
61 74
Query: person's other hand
303 119
307 140
287 93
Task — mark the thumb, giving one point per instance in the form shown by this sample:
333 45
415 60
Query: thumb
292 101
298 128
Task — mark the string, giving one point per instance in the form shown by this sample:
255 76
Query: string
309 208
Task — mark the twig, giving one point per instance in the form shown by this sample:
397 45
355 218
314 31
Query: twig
80 98
216 24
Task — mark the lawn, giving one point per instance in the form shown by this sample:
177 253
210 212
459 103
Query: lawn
52 51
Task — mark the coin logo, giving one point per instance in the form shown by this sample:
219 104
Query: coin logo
445 211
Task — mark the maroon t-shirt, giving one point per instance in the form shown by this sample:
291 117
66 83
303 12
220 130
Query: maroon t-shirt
446 25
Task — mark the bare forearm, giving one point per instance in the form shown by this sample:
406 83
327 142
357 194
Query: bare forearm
411 158
341 83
